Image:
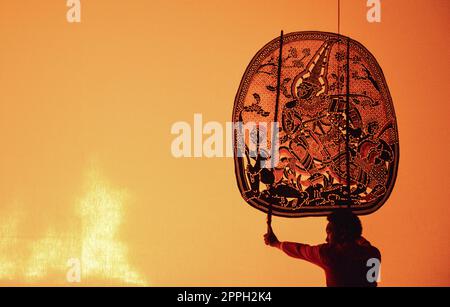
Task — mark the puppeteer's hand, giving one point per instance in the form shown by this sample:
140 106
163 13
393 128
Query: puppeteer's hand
271 239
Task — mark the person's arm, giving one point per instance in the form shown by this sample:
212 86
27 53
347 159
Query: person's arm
297 250
310 253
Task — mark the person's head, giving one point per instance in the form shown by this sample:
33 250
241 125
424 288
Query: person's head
343 227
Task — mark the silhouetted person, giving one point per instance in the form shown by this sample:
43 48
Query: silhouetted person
345 255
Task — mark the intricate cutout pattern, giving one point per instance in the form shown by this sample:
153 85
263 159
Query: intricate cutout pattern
313 171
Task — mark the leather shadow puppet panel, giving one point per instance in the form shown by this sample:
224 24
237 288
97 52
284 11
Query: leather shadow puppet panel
338 140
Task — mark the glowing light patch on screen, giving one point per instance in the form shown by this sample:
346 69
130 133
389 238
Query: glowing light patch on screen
101 214
49 255
93 239
8 241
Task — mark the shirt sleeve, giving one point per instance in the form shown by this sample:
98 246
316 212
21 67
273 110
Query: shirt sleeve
303 251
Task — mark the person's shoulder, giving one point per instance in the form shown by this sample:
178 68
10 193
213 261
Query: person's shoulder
375 252
372 250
